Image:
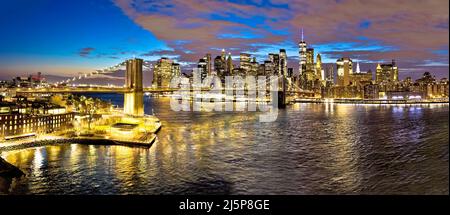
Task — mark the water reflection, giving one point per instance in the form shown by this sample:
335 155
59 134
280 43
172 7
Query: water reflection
310 149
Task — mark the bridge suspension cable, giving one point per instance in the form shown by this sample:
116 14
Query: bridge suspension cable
147 65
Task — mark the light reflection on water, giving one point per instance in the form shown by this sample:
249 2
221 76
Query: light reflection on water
310 149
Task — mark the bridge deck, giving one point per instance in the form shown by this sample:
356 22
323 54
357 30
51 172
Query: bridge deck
115 90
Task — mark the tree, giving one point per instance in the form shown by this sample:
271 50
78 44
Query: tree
90 110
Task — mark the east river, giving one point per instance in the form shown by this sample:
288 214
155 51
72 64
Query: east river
309 149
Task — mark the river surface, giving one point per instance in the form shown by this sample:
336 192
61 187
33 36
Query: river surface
309 149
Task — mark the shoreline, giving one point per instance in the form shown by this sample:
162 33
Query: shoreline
65 138
78 140
8 170
369 102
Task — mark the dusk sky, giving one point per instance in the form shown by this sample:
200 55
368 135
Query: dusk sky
78 36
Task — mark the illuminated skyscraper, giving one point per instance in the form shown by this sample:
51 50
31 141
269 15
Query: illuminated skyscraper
261 70
290 72
208 63
223 55
220 67
283 63
275 59
302 54
358 70
223 58
329 75
310 59
387 72
269 68
245 63
359 78
307 68
255 67
203 68
176 70
163 72
229 64
319 71
308 77
344 69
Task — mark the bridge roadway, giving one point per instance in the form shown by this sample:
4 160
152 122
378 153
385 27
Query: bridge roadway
90 90
111 90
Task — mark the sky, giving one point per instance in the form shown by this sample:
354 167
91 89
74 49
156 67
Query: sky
65 38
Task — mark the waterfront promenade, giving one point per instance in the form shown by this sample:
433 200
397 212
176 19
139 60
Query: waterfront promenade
56 140
369 101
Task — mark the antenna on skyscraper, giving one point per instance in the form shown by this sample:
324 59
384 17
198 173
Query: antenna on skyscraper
357 67
302 35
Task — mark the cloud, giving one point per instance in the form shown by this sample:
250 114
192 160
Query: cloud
409 26
85 52
198 27
411 31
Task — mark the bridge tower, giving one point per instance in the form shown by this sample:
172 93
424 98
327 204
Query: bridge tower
134 97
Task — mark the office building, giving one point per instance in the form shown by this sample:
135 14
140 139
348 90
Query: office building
319 71
302 46
203 68
208 64
344 70
220 67
275 59
229 66
387 73
245 62
283 63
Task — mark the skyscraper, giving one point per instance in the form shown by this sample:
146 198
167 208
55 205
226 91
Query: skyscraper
203 68
275 59
176 70
307 68
329 74
358 70
344 69
245 62
319 74
261 70
283 63
255 67
162 73
387 72
208 63
219 67
229 64
310 59
223 55
302 54
290 72
269 68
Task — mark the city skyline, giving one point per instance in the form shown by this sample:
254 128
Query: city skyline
110 31
224 97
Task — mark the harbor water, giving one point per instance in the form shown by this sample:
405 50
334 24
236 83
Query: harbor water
309 149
